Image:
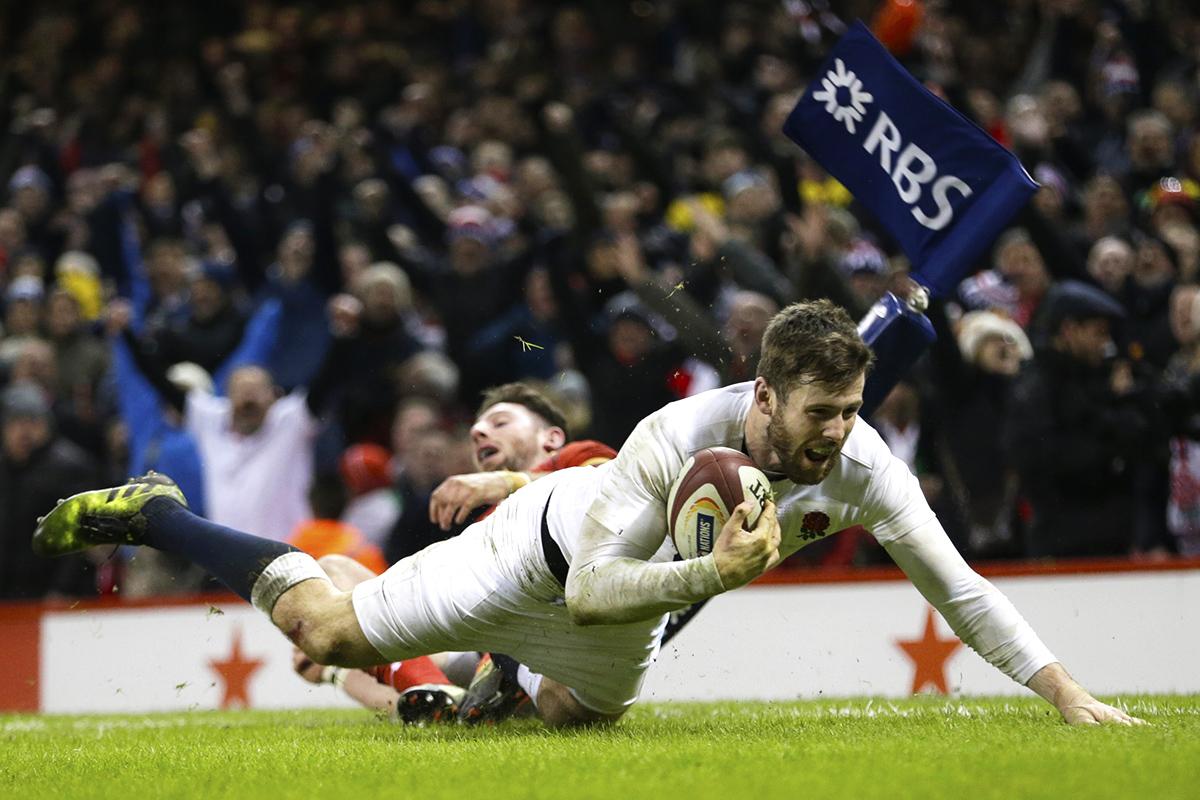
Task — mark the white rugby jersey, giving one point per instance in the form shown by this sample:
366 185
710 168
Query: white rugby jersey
867 486
625 526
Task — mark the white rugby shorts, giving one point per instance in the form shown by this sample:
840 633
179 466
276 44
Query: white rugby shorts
489 589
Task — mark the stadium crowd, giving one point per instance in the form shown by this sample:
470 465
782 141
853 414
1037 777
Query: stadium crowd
278 250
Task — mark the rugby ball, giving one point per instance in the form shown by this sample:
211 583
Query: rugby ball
709 487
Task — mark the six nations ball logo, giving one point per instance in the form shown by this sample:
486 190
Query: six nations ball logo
704 533
706 523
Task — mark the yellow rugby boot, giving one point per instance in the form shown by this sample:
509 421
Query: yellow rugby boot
102 516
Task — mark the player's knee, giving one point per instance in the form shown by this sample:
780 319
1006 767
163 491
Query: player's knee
583 718
559 708
327 632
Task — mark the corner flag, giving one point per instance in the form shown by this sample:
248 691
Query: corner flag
936 181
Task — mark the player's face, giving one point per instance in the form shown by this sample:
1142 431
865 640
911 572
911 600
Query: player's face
509 436
807 432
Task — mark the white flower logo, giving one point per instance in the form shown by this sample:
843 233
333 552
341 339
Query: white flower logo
840 77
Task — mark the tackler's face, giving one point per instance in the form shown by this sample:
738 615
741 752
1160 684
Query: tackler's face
510 436
808 430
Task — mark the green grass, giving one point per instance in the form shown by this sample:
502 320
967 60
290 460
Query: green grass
921 748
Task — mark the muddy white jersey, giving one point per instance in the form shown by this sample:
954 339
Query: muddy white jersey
867 485
617 554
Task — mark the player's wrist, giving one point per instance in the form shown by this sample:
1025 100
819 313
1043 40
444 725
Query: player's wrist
334 675
710 563
1054 684
515 480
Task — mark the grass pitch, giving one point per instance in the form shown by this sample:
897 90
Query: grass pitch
921 748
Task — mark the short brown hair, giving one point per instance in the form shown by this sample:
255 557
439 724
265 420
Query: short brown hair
813 342
523 394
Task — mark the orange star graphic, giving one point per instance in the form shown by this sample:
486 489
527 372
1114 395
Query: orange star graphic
929 655
235 672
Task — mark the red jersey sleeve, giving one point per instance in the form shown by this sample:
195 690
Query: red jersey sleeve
583 453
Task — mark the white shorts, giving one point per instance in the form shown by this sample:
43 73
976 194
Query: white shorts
489 589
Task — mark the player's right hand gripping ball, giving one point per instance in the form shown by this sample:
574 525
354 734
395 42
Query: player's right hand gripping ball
709 487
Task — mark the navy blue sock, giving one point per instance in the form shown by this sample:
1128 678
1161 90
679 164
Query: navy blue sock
234 558
507 665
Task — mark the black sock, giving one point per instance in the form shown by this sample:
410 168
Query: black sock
234 558
507 665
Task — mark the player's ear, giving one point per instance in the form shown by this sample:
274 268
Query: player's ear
764 396
554 438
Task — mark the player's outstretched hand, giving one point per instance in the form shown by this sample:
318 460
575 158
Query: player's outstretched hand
1090 711
1075 703
742 555
457 496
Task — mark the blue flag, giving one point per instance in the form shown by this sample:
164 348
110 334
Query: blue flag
937 182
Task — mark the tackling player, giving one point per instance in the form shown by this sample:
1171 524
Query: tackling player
519 435
573 576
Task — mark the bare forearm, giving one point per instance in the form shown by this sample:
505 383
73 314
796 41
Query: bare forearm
362 687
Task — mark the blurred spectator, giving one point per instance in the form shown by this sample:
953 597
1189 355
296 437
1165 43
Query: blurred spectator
749 313
23 306
533 320
1076 427
371 342
1110 263
78 412
79 274
1017 282
303 332
167 275
372 507
256 448
430 374
1149 148
424 465
1146 298
37 467
414 416
153 430
327 534
898 420
81 357
1181 402
212 326
974 369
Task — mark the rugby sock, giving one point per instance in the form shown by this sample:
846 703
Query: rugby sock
403 675
507 665
530 682
519 674
234 558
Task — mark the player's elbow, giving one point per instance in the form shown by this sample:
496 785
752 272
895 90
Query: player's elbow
582 612
581 604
